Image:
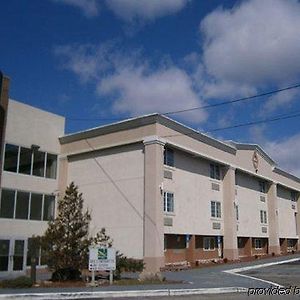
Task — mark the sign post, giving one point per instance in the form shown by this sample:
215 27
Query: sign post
102 259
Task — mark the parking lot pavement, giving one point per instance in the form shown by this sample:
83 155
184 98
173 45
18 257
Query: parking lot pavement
206 277
287 274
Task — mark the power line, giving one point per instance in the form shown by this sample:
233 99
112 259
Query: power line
198 107
269 120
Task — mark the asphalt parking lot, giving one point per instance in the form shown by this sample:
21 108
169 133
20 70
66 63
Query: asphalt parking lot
287 274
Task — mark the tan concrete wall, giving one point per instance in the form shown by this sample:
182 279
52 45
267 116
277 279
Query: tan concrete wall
192 188
27 125
112 183
248 200
286 214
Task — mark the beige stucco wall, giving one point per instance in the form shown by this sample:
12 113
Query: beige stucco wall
112 183
192 188
27 125
286 214
248 201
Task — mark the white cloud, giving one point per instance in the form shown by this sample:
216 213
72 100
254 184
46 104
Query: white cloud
250 46
134 87
286 153
89 7
130 10
280 100
139 91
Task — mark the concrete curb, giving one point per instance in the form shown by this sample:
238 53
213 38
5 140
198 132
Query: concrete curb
123 294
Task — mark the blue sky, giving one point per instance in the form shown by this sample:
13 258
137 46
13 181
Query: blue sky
93 60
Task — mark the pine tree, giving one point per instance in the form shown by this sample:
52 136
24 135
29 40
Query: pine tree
66 241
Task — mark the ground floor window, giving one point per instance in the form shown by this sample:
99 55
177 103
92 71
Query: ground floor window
174 241
258 244
209 243
291 244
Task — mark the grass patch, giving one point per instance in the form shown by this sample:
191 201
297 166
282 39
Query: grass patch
19 282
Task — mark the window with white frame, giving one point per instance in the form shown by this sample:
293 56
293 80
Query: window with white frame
209 243
215 209
214 171
169 157
258 244
168 202
263 217
27 206
262 186
29 161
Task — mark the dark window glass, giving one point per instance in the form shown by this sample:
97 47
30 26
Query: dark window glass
38 163
18 255
51 166
169 157
4 255
49 204
7 204
25 161
11 158
36 206
22 205
214 171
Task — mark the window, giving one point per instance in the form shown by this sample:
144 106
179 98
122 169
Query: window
258 244
291 243
168 202
263 217
169 157
31 162
49 202
51 166
294 196
209 243
215 208
33 250
38 163
36 206
22 205
214 171
7 204
25 205
11 158
25 161
237 212
262 186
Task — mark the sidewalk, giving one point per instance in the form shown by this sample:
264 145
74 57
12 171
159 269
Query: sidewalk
197 281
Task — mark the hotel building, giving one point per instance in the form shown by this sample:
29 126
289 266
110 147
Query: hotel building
164 192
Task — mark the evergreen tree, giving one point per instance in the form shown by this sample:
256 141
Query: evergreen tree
66 241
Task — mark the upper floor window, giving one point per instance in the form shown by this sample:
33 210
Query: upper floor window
262 186
215 209
263 217
26 205
215 171
169 157
294 196
30 161
168 202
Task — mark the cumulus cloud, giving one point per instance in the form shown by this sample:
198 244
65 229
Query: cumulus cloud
130 10
134 85
286 153
249 46
89 7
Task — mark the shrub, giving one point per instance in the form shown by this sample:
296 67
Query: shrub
19 282
66 274
127 264
225 260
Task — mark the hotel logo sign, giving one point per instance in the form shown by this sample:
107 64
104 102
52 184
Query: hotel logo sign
255 160
102 258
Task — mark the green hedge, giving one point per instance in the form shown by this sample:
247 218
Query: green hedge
19 282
